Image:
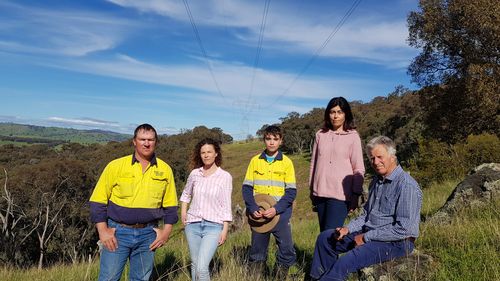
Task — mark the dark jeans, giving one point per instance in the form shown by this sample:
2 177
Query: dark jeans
282 232
327 265
331 212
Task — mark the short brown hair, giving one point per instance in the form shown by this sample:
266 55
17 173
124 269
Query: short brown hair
145 127
272 130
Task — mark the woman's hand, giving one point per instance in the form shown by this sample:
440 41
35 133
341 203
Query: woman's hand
223 234
223 237
183 218
353 203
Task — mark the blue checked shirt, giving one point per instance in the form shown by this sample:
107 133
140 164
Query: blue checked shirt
393 209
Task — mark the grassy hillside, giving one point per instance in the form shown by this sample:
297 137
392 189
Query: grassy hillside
29 134
467 249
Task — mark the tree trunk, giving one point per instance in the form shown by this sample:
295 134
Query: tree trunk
40 260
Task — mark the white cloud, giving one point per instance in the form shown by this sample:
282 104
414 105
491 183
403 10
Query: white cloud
168 130
84 121
209 12
59 32
234 80
374 39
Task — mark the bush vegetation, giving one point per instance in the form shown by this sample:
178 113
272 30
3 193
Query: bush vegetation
462 250
43 209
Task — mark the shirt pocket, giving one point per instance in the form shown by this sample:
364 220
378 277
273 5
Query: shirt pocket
279 175
158 185
124 186
387 204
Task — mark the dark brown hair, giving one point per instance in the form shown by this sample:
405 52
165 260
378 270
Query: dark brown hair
346 108
145 127
196 161
272 130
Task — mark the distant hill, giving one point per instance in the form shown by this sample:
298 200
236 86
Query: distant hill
30 134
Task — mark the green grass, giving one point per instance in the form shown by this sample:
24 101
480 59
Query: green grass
466 249
236 158
435 196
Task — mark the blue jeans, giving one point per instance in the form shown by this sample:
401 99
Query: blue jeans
331 212
327 265
203 239
133 244
282 232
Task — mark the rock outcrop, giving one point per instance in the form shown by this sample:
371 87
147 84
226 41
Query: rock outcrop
416 266
480 187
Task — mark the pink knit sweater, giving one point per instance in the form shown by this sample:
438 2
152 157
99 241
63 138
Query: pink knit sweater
337 168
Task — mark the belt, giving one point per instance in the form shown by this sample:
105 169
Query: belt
139 225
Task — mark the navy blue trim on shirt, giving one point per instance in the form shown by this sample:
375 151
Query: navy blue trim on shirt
279 156
152 162
101 212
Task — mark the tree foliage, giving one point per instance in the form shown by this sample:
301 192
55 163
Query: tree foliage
44 212
459 66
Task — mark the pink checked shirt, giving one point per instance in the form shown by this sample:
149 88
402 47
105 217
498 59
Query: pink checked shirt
210 196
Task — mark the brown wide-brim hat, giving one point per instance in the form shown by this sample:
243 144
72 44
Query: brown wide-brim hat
263 225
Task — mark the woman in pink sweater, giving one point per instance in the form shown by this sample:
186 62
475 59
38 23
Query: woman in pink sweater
337 168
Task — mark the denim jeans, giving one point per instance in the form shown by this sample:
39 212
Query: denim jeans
328 265
203 239
133 244
331 212
282 232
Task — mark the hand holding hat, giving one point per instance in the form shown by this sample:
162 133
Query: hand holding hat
264 223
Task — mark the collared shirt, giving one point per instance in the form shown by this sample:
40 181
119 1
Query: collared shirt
276 179
393 209
210 196
337 169
126 194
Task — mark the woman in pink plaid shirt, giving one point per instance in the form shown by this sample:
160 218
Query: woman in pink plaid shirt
208 190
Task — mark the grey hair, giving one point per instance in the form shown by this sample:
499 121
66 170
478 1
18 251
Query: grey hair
382 140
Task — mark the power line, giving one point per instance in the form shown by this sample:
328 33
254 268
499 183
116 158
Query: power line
319 50
259 44
248 105
204 53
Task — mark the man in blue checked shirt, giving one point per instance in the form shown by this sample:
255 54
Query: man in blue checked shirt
385 230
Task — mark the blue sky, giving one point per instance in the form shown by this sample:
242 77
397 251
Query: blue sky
114 64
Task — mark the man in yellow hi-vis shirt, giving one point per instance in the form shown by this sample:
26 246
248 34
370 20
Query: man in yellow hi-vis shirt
133 193
273 174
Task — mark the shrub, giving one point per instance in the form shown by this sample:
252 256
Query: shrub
438 161
479 149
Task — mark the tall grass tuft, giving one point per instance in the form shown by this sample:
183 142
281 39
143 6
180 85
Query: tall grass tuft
467 248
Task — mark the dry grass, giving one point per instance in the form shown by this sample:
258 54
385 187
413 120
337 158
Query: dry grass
466 249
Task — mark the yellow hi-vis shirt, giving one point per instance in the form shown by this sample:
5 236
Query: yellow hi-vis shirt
131 196
270 178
